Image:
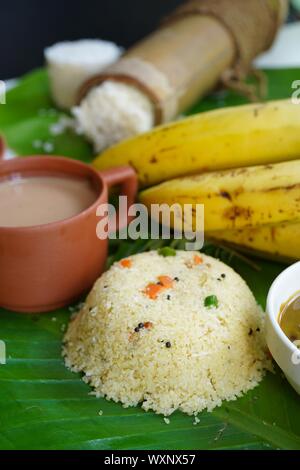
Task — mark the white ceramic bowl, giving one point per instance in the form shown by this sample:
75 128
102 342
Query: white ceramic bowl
285 353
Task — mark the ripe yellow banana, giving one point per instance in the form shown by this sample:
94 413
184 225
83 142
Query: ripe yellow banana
280 241
244 197
247 135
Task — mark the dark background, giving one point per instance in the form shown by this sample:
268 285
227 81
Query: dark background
28 26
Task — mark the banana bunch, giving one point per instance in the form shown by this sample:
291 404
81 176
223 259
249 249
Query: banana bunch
255 134
242 163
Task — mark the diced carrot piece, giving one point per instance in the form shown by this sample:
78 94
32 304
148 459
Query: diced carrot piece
152 290
166 281
198 260
148 325
126 263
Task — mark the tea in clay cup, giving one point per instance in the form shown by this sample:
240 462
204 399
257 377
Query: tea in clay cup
50 265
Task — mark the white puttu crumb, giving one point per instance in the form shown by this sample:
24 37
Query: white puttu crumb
167 421
100 413
54 319
48 147
169 355
196 421
64 124
76 308
57 128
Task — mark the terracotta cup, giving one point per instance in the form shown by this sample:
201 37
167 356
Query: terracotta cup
48 266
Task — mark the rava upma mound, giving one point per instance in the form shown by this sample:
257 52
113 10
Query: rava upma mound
169 330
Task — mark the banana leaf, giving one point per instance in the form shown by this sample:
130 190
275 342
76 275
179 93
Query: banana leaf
45 406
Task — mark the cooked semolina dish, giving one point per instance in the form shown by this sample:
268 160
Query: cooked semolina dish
169 330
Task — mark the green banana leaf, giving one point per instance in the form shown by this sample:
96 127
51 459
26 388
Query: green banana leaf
45 406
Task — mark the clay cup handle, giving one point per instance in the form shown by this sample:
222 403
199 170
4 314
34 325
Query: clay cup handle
127 177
